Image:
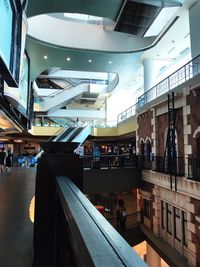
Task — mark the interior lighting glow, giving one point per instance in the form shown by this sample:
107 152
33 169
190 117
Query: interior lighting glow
68 58
32 209
82 17
45 56
18 141
161 20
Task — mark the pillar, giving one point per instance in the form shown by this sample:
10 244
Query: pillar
152 257
194 29
151 68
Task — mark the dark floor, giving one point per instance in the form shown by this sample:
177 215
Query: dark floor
16 229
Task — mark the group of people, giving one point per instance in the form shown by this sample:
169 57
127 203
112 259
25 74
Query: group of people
121 214
5 159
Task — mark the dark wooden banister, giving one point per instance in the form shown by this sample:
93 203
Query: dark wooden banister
92 236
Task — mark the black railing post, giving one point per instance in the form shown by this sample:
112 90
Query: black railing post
58 159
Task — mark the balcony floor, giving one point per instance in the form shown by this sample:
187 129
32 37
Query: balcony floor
16 229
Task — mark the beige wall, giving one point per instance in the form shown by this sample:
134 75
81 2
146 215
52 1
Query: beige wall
44 130
124 127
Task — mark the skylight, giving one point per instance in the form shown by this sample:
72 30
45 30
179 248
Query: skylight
161 20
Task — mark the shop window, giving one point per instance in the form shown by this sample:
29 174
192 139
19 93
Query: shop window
177 224
147 208
169 218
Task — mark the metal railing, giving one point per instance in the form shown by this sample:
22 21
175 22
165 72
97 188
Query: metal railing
109 161
160 164
144 162
126 113
183 74
194 169
132 220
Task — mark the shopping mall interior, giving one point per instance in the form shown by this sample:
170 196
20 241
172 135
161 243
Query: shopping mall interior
99 133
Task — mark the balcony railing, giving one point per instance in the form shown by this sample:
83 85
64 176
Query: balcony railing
194 169
161 164
109 161
185 73
126 114
132 220
177 78
144 162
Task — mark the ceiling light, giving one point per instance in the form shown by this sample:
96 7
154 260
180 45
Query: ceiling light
89 60
68 58
160 21
110 62
45 56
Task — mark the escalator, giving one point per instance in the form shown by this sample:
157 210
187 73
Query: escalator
74 134
60 138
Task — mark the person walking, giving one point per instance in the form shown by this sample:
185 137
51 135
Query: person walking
2 159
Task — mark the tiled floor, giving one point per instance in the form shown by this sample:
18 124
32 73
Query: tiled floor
16 229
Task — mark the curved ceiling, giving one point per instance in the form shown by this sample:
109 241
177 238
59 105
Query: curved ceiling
50 44
83 35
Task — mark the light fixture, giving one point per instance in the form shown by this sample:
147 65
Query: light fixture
160 21
18 141
68 58
110 62
89 60
45 56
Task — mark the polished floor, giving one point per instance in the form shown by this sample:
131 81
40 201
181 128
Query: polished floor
17 188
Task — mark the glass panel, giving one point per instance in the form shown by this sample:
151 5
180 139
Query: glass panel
163 214
177 223
185 234
169 218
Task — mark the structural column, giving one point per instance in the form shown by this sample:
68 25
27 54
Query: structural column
151 68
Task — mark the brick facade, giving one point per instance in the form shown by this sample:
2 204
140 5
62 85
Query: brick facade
154 124
195 218
194 116
144 123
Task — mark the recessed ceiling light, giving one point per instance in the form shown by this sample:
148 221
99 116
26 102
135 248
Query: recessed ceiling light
89 60
110 62
68 58
45 56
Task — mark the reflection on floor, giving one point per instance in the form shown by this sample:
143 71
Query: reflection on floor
141 250
17 188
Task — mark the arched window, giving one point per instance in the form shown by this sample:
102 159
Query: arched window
142 148
148 150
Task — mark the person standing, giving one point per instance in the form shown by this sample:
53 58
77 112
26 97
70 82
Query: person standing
2 159
123 220
9 159
119 215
